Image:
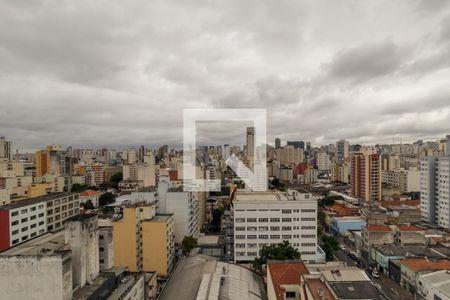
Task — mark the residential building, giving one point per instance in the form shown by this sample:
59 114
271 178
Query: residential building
141 172
413 268
342 150
150 247
277 143
5 149
402 180
323 161
340 225
29 218
366 176
105 244
284 279
40 268
435 285
435 190
340 172
250 141
90 196
264 218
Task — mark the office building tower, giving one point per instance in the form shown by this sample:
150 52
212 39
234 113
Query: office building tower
297 144
250 141
342 150
277 143
5 149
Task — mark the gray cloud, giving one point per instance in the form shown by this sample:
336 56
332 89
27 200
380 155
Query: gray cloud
96 73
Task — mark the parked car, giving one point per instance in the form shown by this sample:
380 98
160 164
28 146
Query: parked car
375 274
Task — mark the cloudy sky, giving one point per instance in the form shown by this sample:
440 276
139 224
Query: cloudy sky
118 73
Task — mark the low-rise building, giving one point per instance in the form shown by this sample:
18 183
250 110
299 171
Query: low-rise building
340 225
413 268
284 279
435 285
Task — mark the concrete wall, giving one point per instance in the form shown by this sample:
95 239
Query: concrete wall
125 240
106 247
36 278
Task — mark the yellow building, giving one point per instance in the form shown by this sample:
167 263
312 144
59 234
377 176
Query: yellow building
158 244
143 240
38 189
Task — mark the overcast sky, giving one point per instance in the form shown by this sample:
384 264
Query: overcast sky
118 73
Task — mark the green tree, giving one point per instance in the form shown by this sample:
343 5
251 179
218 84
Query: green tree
188 244
280 251
329 200
106 198
88 205
115 179
329 244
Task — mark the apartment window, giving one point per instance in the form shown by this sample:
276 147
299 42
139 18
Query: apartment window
101 249
41 206
275 237
24 238
33 234
308 210
308 219
102 261
251 219
49 204
286 228
24 211
41 231
240 228
308 244
33 225
286 211
274 228
274 219
240 237
14 223
24 228
15 232
41 215
308 227
14 213
49 211
251 228
252 253
15 241
24 220
33 208
240 245
251 237
286 236
308 253
286 219
41 223
57 202
252 245
263 228
263 237
33 217
263 220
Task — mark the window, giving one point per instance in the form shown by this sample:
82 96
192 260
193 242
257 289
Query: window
286 228
252 253
263 220
263 228
41 223
263 237
274 219
240 237
15 241
49 211
33 208
49 204
252 245
275 237
14 213
24 228
308 244
15 232
308 236
308 210
308 219
308 227
24 238
41 206
33 234
290 295
24 220
33 217
240 228
240 220
251 219
274 228
102 261
286 236
24 211
41 215
251 237
286 219
33 225
101 249
14 223
240 245
286 211
251 228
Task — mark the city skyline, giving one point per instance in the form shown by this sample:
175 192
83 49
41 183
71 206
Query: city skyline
324 71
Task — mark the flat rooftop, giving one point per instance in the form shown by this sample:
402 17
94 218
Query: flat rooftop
440 280
260 196
356 290
46 244
161 218
35 200
345 274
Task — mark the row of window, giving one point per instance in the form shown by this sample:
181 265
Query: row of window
265 220
26 237
25 210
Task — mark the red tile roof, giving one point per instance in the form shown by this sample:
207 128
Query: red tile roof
390 203
314 285
378 228
342 209
285 273
423 264
90 193
409 228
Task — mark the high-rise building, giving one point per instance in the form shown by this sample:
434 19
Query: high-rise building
5 148
342 150
250 141
144 240
366 175
435 190
277 143
297 144
323 161
265 218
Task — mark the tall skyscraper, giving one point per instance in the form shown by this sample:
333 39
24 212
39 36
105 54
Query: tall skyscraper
277 143
297 144
366 175
342 150
250 141
435 190
5 148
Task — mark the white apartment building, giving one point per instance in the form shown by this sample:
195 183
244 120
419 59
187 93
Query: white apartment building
264 218
185 205
404 180
435 285
435 190
29 218
323 161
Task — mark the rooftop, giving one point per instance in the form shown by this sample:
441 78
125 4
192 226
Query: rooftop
345 274
147 189
285 272
90 193
161 218
44 245
440 280
356 290
35 200
200 277
409 228
423 264
318 289
378 228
